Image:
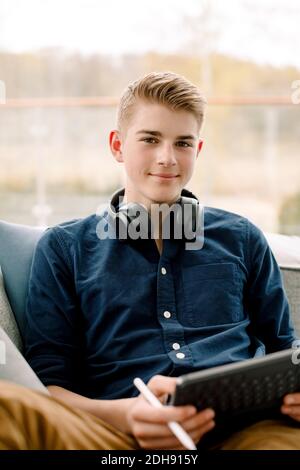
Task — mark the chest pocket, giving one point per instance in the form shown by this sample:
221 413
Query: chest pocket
213 295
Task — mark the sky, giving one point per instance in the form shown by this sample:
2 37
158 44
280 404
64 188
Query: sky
265 31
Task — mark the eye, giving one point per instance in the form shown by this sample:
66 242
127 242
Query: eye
182 143
150 140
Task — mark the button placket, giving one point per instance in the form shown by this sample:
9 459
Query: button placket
166 305
180 355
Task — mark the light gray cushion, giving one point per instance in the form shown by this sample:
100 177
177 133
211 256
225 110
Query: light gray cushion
286 249
7 319
291 280
17 243
13 366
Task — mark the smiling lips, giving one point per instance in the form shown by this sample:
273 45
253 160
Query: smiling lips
163 175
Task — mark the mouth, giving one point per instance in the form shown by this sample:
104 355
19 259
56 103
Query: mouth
164 175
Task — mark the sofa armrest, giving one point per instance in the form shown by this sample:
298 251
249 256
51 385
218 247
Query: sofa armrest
14 368
17 244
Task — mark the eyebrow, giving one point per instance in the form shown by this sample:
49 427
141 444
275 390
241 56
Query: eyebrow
159 134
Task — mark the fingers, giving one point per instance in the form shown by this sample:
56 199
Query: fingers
292 399
149 425
159 384
197 433
170 442
153 435
146 428
199 420
162 415
292 411
291 406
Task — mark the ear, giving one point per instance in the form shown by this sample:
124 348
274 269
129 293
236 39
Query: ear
115 144
200 143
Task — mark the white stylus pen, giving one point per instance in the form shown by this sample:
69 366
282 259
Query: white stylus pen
176 429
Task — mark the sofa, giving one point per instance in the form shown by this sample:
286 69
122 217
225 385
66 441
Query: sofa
17 244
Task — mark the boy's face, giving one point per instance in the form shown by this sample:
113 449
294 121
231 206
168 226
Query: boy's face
159 149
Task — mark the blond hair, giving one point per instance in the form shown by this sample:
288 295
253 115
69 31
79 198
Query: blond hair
167 88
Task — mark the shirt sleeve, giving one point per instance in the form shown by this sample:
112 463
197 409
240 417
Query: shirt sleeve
269 308
53 322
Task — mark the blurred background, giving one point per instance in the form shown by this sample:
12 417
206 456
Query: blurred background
64 64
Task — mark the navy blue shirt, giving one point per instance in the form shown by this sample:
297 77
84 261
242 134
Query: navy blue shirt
101 312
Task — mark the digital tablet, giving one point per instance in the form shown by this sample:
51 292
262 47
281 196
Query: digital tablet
248 386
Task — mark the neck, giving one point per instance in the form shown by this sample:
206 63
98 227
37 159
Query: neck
159 244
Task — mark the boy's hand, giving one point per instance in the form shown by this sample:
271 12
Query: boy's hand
291 406
149 425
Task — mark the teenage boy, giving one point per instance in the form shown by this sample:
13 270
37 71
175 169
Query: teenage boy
103 310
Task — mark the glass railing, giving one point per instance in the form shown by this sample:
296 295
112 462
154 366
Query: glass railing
55 162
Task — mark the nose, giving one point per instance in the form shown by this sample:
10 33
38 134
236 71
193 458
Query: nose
166 156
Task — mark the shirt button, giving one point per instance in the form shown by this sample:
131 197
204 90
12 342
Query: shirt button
167 314
176 346
180 355
163 271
